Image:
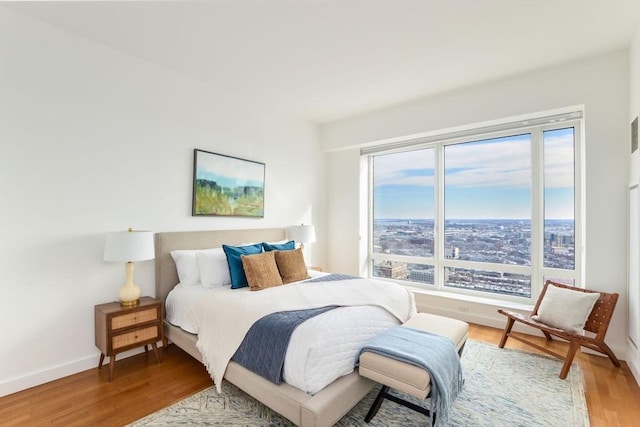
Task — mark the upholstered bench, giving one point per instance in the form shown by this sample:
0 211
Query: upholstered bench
405 377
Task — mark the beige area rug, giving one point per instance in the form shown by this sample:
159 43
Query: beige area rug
503 387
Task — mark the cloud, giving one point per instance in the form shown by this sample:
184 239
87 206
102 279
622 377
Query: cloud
558 161
501 162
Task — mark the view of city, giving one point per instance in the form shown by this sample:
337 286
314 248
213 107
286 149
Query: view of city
495 241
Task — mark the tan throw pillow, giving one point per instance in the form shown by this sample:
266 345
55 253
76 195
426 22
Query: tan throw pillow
261 271
291 265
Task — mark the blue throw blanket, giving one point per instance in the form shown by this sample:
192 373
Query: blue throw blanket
264 347
434 353
332 278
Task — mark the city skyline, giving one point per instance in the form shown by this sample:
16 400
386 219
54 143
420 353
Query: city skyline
495 242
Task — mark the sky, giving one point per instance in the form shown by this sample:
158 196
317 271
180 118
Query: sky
488 179
228 171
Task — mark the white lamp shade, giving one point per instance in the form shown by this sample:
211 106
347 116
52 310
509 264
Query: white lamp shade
302 233
129 246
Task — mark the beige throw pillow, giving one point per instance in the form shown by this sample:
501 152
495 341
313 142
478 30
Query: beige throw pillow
566 309
261 271
291 265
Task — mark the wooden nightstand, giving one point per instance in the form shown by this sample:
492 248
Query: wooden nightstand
120 328
312 267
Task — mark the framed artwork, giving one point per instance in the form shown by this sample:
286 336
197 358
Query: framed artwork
227 186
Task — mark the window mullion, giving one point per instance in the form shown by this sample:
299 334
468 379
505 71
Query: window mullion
537 211
438 250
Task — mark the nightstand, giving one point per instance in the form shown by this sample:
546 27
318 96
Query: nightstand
312 267
120 328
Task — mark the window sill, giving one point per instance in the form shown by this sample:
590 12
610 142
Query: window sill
488 302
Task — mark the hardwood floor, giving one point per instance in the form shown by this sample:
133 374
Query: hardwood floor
141 387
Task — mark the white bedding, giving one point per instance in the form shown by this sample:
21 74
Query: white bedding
178 302
326 347
182 297
321 349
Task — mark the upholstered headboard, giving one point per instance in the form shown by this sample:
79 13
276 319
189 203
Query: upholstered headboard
166 274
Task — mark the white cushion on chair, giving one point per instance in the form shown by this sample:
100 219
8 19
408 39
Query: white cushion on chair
565 309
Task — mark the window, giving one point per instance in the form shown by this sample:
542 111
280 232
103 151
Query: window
490 213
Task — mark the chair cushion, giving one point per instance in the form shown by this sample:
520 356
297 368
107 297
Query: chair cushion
565 309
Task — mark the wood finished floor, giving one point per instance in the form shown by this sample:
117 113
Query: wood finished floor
141 387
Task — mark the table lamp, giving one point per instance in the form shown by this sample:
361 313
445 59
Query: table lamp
302 234
129 246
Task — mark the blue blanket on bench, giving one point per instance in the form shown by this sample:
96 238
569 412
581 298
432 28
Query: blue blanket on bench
434 353
264 347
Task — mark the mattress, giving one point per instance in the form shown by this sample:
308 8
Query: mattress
321 350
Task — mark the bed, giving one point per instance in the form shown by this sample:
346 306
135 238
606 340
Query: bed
323 408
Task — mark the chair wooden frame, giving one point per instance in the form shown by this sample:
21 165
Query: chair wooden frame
597 323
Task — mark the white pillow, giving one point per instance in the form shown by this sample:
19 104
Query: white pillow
214 269
187 267
279 242
565 309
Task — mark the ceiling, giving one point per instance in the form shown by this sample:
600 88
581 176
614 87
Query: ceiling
329 59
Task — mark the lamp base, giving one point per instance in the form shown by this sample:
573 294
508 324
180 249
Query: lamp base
129 294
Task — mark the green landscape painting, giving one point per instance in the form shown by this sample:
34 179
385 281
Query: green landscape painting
227 186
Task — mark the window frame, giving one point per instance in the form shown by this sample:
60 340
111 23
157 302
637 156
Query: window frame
538 273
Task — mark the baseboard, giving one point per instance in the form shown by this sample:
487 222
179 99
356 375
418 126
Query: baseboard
14 385
633 361
33 379
635 372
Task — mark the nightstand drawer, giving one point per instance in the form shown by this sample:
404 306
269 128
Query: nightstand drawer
124 320
134 337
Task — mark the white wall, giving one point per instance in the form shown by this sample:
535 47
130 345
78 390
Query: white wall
92 141
601 84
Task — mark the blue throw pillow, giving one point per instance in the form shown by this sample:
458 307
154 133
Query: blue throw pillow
290 245
234 259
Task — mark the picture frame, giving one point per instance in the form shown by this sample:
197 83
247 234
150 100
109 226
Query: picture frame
227 186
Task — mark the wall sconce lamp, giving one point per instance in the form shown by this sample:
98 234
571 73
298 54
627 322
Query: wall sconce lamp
129 246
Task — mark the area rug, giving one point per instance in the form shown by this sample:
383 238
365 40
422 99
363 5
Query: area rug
503 387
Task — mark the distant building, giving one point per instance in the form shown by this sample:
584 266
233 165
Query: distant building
422 276
392 270
452 252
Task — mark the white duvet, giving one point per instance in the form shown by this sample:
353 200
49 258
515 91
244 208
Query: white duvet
326 346
321 349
